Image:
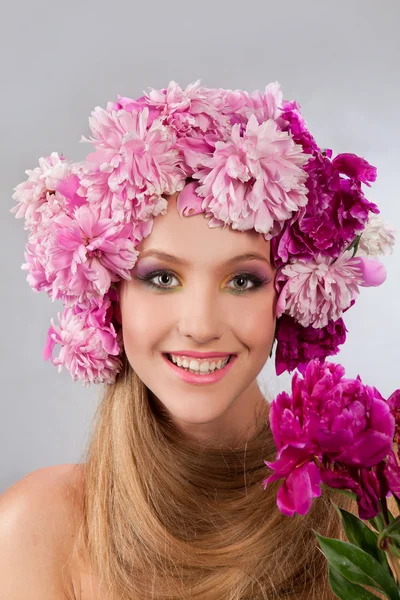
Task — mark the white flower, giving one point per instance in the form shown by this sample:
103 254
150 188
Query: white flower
377 238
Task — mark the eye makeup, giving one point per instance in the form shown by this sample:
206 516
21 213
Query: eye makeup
257 277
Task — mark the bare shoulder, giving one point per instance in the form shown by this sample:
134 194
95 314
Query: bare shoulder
38 518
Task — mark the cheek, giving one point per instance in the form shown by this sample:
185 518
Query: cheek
257 325
141 323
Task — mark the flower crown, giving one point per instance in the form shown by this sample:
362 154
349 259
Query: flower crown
252 164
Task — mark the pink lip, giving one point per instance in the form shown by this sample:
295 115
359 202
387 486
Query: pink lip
200 379
200 354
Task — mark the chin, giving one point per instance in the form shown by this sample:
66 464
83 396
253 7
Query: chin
193 411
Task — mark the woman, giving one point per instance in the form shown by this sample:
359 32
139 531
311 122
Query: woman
177 316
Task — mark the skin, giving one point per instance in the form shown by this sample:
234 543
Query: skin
203 314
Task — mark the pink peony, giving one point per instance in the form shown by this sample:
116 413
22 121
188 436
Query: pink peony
129 105
337 210
327 420
36 259
297 345
190 112
319 291
369 484
89 343
264 105
39 190
86 254
134 164
255 181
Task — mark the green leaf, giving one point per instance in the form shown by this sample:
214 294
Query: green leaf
347 493
391 531
357 566
359 534
377 522
344 589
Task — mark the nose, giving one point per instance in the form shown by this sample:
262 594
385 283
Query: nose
201 316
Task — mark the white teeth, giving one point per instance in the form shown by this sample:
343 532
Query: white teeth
196 366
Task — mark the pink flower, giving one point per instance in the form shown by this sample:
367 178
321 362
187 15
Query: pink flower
39 190
300 486
372 270
192 111
69 187
394 404
86 254
392 473
355 167
317 292
255 181
188 202
264 105
36 259
89 343
329 419
297 345
337 210
129 105
134 164
369 484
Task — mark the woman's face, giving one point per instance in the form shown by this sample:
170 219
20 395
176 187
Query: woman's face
203 305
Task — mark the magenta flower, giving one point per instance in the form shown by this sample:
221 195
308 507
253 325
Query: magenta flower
297 345
297 125
394 404
89 343
328 419
369 484
337 210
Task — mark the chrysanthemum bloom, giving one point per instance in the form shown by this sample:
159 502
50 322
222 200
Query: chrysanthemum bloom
327 420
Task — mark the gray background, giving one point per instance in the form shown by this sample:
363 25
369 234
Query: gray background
59 60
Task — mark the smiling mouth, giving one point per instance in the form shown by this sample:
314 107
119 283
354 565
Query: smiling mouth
210 360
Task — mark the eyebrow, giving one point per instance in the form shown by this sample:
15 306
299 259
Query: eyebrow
181 261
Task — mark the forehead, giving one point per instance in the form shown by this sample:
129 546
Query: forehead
191 237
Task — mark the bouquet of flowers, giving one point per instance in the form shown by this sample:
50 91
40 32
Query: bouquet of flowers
338 432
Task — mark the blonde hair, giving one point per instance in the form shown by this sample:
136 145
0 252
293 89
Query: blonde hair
163 517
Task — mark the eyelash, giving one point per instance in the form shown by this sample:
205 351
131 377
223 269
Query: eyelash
257 282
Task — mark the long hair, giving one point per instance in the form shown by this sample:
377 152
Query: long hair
164 517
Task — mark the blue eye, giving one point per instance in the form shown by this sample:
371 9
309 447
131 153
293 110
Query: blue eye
250 277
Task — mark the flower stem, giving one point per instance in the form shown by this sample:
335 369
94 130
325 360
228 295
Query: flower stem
394 562
385 510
